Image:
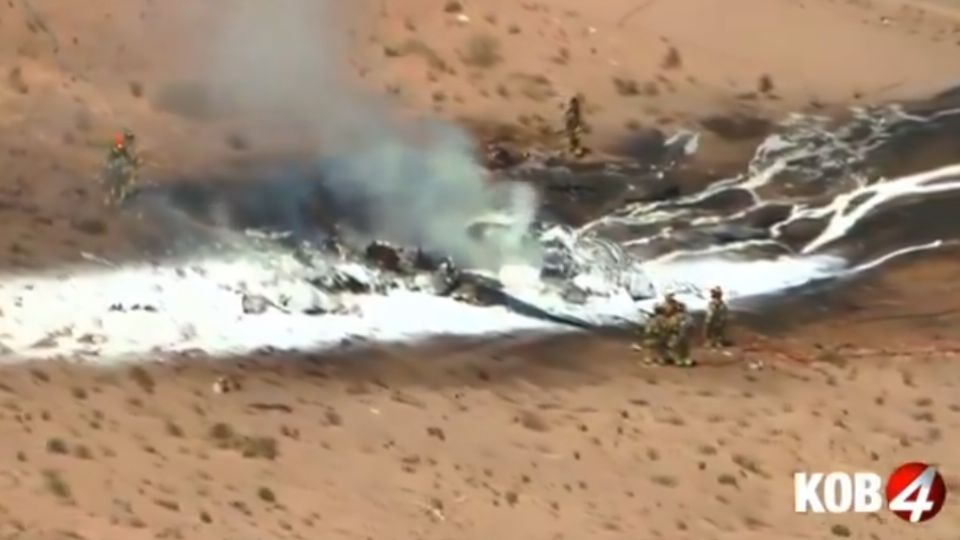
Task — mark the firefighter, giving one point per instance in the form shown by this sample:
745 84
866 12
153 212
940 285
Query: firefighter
679 327
655 337
573 126
715 324
121 167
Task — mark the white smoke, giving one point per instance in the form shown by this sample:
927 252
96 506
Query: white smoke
285 63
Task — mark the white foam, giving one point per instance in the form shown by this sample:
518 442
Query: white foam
739 278
940 180
197 305
200 307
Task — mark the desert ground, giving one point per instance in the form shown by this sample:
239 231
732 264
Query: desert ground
569 437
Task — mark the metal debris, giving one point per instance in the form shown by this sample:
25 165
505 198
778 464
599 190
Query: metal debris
94 258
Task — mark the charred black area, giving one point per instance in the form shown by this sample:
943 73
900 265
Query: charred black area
574 193
778 314
313 199
908 221
287 196
738 127
944 100
647 145
919 147
801 232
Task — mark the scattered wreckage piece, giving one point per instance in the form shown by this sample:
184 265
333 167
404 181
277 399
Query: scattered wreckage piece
574 294
427 261
354 278
255 304
310 301
119 307
447 278
476 289
497 156
558 259
386 256
489 291
347 277
576 265
306 299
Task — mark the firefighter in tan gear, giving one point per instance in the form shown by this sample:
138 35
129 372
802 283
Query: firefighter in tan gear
654 333
715 324
573 126
676 331
121 167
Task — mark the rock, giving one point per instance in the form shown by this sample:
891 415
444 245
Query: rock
254 304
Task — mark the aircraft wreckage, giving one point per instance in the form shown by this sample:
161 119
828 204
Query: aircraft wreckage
573 272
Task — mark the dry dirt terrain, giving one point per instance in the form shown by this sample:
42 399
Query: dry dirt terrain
570 438
567 439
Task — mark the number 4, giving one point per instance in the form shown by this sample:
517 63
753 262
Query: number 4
921 485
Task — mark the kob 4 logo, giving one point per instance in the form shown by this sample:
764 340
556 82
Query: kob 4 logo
915 492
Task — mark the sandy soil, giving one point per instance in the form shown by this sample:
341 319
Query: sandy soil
567 439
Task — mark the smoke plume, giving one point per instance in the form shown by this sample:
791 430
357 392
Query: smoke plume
286 62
